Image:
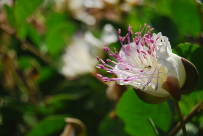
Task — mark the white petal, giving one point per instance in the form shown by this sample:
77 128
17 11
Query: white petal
171 61
159 93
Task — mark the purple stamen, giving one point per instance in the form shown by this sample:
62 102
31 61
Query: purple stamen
134 62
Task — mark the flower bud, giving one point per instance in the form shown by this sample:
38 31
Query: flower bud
192 77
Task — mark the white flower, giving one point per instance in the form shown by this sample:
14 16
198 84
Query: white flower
147 63
79 57
109 34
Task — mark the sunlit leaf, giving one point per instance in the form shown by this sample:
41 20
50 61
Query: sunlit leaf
22 31
186 15
139 116
24 8
167 27
55 39
9 13
54 19
162 7
134 20
59 33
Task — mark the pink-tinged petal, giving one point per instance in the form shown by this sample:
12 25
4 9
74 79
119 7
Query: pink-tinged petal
171 85
151 99
171 61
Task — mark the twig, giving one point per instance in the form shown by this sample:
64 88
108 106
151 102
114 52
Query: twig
196 109
154 127
182 123
26 45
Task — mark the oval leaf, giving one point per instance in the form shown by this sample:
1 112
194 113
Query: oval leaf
139 116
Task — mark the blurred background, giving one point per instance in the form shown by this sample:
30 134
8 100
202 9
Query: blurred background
48 51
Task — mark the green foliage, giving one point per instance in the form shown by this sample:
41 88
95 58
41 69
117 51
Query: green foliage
186 15
132 110
9 12
56 37
59 32
167 27
111 127
49 126
36 95
23 9
193 53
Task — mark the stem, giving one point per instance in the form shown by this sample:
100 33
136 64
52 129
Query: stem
154 127
180 117
195 110
26 45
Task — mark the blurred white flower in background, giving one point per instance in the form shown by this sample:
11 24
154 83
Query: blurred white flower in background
3 17
7 2
80 56
77 9
109 34
127 5
93 4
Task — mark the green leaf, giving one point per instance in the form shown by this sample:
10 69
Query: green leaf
68 91
22 31
34 36
54 19
111 127
50 125
60 97
57 37
59 33
24 8
137 115
199 1
9 13
45 74
189 101
167 27
26 30
26 61
134 20
192 53
186 16
160 7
